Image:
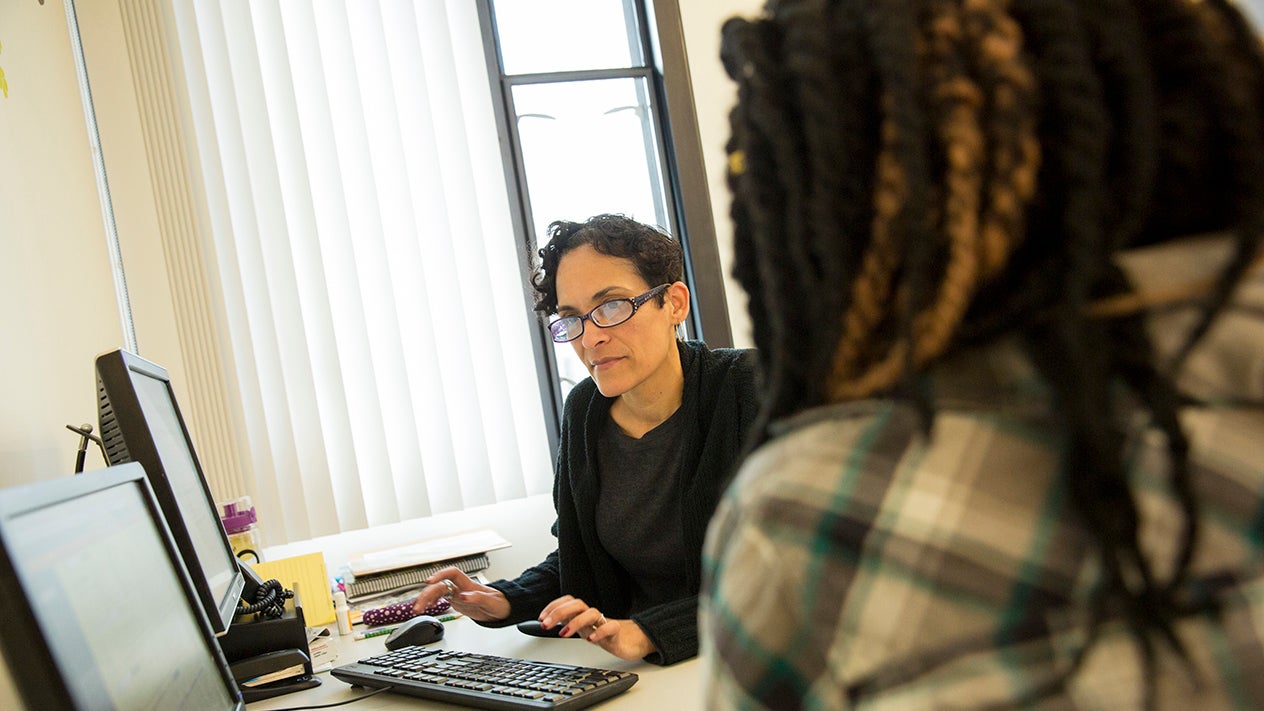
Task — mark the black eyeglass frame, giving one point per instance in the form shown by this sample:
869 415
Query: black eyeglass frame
636 302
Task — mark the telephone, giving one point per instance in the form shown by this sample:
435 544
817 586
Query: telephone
266 645
265 598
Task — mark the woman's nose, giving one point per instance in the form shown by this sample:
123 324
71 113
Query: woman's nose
593 335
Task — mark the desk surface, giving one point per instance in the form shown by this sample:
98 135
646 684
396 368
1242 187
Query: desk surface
525 523
677 686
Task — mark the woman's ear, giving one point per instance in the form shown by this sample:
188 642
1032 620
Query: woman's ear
678 301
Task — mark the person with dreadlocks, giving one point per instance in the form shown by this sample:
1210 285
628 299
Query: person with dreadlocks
647 444
1002 260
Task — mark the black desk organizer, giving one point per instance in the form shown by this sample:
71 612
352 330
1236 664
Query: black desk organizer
254 647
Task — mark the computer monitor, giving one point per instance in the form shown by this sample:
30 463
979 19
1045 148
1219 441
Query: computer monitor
141 422
98 609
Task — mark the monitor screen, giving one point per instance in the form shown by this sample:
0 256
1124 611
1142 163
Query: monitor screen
141 422
99 611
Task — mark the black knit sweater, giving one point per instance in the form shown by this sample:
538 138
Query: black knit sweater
718 403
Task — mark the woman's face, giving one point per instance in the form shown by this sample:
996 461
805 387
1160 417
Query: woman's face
634 353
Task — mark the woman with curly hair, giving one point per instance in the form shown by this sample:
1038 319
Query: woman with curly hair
647 444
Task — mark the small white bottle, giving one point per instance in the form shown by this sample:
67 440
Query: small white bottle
342 612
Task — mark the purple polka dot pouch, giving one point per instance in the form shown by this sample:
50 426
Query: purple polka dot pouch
394 614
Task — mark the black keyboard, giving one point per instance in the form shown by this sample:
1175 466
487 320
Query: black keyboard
484 681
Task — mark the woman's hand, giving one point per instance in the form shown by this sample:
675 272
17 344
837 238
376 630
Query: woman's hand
622 638
477 602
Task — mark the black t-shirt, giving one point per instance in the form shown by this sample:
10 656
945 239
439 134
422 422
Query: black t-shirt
639 520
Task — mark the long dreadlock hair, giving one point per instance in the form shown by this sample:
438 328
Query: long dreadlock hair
913 177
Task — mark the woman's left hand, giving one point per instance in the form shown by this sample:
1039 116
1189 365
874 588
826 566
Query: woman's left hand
622 638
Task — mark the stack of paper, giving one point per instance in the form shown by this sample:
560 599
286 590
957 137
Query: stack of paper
392 582
457 545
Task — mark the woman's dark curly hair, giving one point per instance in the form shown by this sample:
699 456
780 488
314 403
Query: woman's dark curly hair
657 257
913 177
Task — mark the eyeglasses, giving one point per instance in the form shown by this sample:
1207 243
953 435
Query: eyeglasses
604 315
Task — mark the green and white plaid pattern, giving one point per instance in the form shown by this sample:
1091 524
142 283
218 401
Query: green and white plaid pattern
855 564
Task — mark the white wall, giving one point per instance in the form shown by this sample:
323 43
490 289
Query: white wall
56 295
57 302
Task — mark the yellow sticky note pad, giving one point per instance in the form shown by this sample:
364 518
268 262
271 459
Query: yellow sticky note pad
305 574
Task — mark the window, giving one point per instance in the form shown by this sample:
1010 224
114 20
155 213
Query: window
584 111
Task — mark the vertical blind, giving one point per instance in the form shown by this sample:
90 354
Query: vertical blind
360 234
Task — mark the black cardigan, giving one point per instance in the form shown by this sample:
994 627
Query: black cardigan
720 399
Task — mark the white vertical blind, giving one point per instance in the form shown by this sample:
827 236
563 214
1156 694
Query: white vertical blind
366 261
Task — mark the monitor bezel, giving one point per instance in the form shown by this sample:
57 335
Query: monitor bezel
32 665
114 381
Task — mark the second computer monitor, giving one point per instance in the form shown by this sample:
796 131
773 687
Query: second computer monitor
98 609
141 422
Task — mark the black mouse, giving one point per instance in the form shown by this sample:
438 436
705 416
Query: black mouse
535 629
422 629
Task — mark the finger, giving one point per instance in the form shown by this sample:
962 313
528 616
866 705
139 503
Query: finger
607 637
422 602
433 592
549 608
428 596
582 623
590 622
601 629
450 573
443 589
569 616
554 613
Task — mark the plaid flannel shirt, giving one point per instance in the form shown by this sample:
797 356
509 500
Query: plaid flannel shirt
854 563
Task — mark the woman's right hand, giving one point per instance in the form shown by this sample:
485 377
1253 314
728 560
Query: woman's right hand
477 602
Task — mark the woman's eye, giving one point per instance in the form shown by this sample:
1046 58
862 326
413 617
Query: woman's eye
611 309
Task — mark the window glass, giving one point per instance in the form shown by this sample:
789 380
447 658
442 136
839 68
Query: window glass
589 147
538 36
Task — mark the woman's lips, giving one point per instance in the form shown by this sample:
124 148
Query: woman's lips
604 363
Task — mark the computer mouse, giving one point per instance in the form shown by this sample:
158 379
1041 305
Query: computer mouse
422 629
535 629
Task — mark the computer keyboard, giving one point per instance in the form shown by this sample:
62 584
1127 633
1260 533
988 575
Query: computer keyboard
484 681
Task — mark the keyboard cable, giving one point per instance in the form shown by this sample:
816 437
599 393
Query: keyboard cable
361 697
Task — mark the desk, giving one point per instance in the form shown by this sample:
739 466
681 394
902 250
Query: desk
678 686
525 523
